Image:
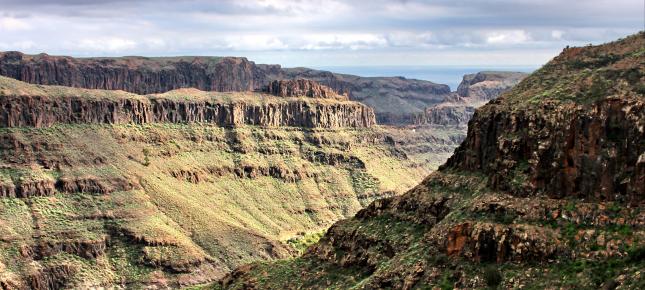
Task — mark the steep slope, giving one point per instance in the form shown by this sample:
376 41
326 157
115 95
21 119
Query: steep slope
545 192
108 188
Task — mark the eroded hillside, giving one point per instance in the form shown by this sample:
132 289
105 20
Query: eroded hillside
107 188
545 192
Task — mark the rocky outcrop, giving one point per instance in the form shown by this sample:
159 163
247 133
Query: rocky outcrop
474 91
302 88
445 115
92 184
199 175
139 75
588 151
30 188
487 85
44 111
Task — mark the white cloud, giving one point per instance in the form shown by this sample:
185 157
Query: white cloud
111 44
253 42
13 24
557 34
508 37
351 41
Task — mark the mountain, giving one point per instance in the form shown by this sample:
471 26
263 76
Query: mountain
395 100
105 188
546 191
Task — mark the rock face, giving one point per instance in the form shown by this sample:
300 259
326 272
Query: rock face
446 115
487 85
392 98
474 91
546 191
44 111
139 75
302 87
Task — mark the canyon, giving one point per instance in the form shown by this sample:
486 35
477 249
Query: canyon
546 191
103 187
171 172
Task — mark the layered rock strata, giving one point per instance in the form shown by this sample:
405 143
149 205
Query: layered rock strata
302 87
46 110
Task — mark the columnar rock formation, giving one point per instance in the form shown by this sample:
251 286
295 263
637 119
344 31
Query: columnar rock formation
302 87
183 106
392 98
139 75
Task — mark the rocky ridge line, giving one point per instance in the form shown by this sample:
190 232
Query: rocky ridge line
44 111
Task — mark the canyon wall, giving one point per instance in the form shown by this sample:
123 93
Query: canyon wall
242 108
139 75
390 97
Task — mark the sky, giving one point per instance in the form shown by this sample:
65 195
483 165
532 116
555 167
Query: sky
320 33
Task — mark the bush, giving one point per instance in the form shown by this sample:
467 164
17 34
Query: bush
146 156
492 276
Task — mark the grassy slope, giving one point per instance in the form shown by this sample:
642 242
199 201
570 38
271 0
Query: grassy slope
227 220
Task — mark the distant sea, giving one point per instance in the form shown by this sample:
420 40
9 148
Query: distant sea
449 75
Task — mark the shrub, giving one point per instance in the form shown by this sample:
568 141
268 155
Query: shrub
146 156
492 276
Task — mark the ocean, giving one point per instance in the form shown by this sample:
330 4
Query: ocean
449 75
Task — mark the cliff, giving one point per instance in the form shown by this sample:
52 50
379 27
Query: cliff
484 86
474 91
134 74
302 87
393 98
545 192
388 96
38 106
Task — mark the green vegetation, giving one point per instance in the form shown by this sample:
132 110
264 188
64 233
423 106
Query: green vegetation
301 242
203 195
492 276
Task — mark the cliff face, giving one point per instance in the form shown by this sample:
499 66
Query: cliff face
445 115
184 106
394 99
302 87
474 91
390 97
487 85
139 75
546 191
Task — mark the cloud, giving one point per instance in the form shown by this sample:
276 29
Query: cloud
303 31
508 37
13 24
110 44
